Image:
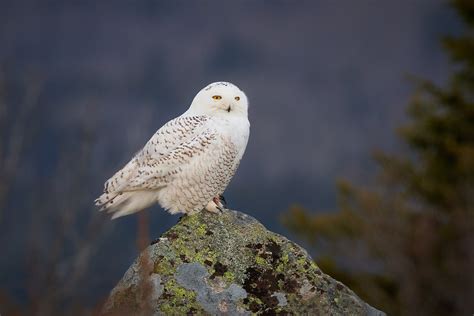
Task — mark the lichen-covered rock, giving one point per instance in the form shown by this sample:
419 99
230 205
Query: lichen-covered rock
229 264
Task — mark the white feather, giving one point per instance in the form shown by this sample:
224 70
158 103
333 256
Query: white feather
188 161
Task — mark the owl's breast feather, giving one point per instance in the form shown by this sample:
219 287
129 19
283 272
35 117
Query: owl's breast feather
235 129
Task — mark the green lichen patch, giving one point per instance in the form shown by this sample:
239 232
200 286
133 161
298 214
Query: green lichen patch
201 230
177 300
163 267
229 263
229 277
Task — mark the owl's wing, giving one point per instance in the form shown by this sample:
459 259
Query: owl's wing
158 154
154 172
174 133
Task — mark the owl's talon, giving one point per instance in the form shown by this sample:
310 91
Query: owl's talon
220 206
218 201
215 206
222 201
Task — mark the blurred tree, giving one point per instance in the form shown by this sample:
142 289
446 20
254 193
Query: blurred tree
406 245
50 251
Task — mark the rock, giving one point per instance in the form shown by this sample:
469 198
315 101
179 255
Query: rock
230 264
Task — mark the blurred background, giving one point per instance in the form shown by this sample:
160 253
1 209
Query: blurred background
83 85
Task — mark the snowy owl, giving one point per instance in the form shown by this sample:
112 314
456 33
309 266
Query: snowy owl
187 163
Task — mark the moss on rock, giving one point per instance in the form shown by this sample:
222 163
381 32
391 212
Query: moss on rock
229 263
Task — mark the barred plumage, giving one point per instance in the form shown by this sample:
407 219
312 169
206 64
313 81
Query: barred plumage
189 161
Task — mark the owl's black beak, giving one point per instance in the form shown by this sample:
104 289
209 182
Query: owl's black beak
229 108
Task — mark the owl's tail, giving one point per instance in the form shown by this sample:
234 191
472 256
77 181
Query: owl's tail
125 203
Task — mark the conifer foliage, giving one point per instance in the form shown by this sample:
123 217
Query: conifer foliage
406 244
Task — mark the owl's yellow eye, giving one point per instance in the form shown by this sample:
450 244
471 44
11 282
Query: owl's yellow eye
237 98
216 97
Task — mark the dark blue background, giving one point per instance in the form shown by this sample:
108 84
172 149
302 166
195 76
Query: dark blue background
326 82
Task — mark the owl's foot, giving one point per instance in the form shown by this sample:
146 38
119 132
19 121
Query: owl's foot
222 201
216 205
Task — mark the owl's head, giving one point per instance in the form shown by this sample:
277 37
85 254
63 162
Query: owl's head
220 99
